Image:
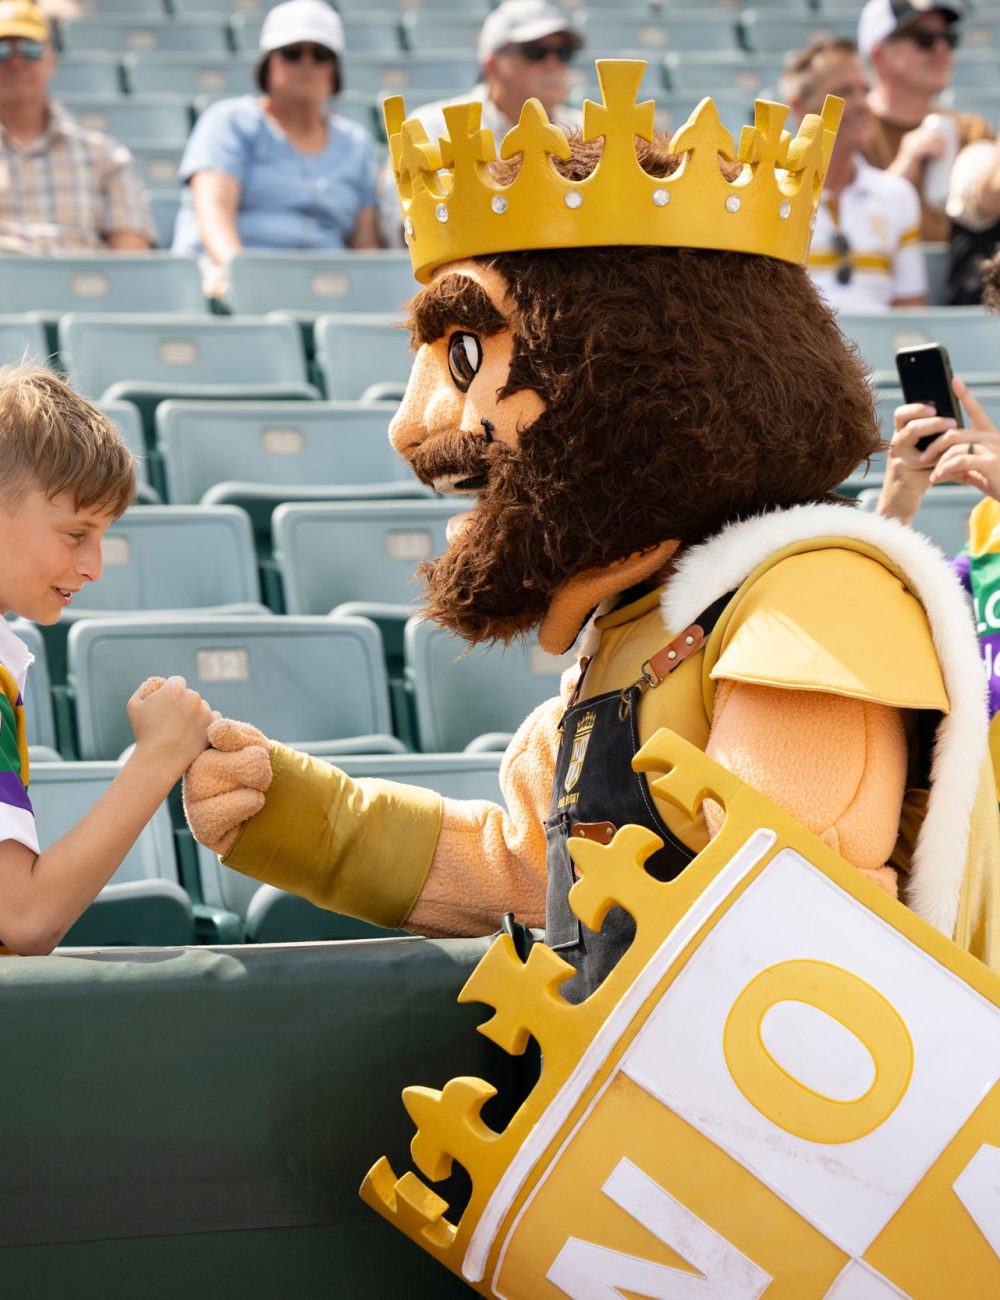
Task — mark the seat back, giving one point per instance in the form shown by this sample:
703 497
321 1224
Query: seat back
971 335
411 75
114 282
127 419
206 443
99 351
165 118
887 399
943 515
460 693
298 679
86 74
331 552
182 74
63 793
23 339
356 350
320 282
39 715
126 33
175 557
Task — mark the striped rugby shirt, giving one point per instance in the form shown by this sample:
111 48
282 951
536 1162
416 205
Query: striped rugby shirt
17 821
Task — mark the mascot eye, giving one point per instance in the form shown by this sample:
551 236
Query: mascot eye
465 356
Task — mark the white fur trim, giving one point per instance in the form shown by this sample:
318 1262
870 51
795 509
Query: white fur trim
723 562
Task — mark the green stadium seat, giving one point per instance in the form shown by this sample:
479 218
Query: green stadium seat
314 283
127 419
692 29
700 73
120 35
164 205
273 916
357 550
417 76
776 31
426 31
971 335
102 8
182 74
292 443
49 285
977 69
610 31
157 163
23 338
143 904
162 119
99 351
887 399
38 711
87 74
460 693
943 515
304 681
356 350
476 8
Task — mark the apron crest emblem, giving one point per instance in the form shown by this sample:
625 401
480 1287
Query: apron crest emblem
581 739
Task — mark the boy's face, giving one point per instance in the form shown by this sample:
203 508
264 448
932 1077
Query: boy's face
48 550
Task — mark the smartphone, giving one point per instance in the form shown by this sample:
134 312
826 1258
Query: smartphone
925 376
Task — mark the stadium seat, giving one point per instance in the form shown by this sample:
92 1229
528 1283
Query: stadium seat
426 31
86 74
304 681
126 418
164 205
157 163
310 282
273 916
143 904
38 711
99 351
975 69
159 119
357 550
182 74
356 350
294 443
936 262
702 73
461 693
49 285
194 35
696 30
413 75
943 515
970 334
611 31
887 399
23 338
103 8
776 31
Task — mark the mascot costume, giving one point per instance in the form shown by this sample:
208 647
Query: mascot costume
619 354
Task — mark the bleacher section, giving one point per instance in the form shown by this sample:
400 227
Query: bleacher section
269 494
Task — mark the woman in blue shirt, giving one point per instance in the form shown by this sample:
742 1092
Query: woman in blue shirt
280 171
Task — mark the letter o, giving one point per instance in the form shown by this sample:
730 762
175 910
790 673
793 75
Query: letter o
780 1097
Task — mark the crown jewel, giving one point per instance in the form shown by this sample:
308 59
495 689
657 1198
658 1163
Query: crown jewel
454 208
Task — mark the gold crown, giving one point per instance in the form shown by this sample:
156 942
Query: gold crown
453 207
586 723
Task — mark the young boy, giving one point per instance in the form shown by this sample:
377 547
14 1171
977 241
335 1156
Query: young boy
65 475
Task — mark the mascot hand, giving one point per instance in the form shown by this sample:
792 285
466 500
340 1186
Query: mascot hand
225 785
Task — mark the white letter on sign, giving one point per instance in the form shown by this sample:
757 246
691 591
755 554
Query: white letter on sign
978 1188
588 1272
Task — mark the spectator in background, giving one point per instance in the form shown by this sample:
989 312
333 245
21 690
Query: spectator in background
63 187
974 209
865 254
525 49
911 47
283 170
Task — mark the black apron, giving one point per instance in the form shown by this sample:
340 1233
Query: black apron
594 794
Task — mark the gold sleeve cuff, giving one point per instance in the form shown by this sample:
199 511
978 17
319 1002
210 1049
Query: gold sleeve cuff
362 848
836 621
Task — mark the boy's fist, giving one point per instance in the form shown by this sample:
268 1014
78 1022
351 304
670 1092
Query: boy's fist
225 785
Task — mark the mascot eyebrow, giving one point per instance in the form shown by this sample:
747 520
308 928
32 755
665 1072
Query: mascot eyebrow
453 302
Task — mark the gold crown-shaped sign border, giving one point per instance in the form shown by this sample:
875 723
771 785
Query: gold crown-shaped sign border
453 207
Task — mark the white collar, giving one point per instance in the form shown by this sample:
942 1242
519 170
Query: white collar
14 654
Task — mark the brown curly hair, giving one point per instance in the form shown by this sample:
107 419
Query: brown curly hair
684 388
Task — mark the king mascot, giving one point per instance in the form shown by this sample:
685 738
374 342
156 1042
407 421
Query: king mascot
619 356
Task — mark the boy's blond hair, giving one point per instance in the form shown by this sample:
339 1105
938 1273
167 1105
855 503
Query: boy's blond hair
51 438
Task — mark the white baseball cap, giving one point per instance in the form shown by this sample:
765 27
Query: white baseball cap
517 22
880 18
302 20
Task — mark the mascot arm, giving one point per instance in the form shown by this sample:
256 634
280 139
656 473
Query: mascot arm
489 861
837 765
358 847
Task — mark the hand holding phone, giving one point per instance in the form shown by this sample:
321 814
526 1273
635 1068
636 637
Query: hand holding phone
925 376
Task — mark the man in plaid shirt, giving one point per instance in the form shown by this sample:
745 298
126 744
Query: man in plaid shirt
63 187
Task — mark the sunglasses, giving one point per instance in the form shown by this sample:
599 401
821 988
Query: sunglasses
295 53
539 53
925 40
32 51
844 271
